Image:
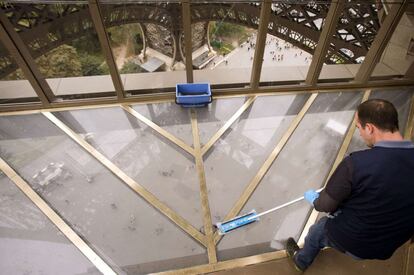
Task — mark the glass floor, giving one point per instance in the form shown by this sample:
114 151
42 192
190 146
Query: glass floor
141 185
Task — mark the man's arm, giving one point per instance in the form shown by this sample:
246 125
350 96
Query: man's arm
337 189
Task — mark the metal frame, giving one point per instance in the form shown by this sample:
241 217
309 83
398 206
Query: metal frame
409 128
208 227
227 125
26 62
248 191
361 80
341 153
328 31
21 54
381 41
186 10
260 43
136 187
210 239
69 233
96 14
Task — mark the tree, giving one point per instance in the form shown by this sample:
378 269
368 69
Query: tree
91 65
62 61
131 67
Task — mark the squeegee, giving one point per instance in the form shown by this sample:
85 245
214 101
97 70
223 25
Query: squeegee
252 216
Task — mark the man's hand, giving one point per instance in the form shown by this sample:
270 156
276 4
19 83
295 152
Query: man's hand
311 195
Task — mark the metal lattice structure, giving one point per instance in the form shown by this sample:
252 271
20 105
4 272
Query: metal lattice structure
43 27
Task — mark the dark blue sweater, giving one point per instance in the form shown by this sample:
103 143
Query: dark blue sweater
378 215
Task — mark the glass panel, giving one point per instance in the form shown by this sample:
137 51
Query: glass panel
30 242
398 55
212 118
236 157
401 98
224 41
163 168
62 40
355 31
303 163
147 43
293 33
123 228
13 84
173 118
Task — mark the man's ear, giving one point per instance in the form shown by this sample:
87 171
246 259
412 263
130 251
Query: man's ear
370 127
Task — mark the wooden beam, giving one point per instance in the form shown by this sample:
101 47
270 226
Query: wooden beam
97 18
325 39
260 43
380 42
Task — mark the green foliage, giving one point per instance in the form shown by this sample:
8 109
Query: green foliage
91 64
223 34
62 61
221 29
131 67
129 35
87 44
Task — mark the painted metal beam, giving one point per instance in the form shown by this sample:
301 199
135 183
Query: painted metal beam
410 71
188 40
97 18
227 125
381 41
341 153
160 130
136 187
260 43
409 128
208 227
325 39
226 265
21 55
9 109
248 191
56 219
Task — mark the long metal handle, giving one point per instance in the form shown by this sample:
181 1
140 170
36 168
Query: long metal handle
280 206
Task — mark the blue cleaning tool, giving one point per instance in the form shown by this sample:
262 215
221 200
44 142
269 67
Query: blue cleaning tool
251 217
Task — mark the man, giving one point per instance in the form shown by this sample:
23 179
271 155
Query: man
370 194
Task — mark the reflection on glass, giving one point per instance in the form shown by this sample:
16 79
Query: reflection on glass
292 36
212 118
13 84
29 241
303 163
356 29
236 158
147 43
224 41
62 40
400 98
160 166
173 118
116 222
398 54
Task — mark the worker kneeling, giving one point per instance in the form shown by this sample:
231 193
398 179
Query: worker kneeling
370 195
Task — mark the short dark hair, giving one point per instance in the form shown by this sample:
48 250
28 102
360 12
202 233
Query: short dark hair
380 113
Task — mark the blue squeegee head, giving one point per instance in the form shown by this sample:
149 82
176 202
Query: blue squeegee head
225 227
